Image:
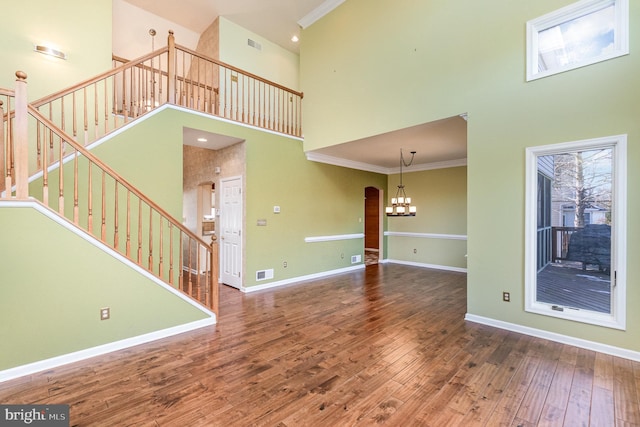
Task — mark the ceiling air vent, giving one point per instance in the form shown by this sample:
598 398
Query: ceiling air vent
254 44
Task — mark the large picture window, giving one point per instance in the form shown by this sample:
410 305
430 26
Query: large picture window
576 231
580 34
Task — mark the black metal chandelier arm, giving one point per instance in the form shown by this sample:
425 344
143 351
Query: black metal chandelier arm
406 165
401 204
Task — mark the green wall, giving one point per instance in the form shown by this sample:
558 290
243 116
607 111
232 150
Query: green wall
79 28
149 156
369 67
440 197
372 66
54 284
315 199
272 62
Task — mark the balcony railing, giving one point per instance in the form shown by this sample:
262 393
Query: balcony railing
176 75
213 87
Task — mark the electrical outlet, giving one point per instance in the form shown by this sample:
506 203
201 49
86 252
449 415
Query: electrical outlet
284 264
105 313
506 297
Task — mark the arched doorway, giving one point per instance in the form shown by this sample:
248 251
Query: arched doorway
372 226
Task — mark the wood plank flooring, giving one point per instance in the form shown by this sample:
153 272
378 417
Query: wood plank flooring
385 345
566 284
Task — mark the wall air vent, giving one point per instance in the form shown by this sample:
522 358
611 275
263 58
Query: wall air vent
264 274
254 44
356 259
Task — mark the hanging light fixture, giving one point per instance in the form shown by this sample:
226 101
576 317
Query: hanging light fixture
401 204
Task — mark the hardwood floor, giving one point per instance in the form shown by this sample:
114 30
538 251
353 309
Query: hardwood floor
371 256
385 345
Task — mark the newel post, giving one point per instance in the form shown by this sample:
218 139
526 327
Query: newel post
21 126
171 69
213 280
3 172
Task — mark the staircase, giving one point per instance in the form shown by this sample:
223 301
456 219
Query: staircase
46 153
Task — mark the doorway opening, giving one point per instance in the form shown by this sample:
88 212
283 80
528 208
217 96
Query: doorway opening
372 225
211 162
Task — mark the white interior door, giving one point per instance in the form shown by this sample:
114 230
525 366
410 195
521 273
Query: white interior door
231 231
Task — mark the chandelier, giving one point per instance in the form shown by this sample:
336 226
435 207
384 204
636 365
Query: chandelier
401 204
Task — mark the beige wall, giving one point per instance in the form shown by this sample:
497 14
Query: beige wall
272 62
131 25
199 168
209 42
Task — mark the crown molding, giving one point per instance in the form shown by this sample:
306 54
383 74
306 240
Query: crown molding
337 161
317 13
431 166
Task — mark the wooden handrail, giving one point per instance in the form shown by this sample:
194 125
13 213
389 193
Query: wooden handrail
21 141
99 105
242 96
40 102
157 220
239 71
167 74
7 141
121 180
3 147
173 74
117 58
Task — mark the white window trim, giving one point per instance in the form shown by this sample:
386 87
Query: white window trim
568 13
617 318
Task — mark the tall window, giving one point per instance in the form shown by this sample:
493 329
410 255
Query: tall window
580 34
576 231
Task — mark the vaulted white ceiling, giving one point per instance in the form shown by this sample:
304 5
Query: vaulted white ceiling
275 20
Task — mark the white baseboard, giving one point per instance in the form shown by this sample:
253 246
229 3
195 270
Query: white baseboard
552 336
54 362
344 270
424 265
301 279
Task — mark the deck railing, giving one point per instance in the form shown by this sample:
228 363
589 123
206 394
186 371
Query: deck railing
177 75
69 179
561 237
